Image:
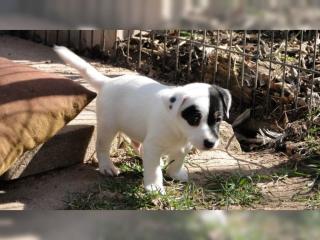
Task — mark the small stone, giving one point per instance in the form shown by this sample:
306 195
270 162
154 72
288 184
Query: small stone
226 133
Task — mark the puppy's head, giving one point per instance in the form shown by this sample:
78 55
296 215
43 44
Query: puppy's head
199 109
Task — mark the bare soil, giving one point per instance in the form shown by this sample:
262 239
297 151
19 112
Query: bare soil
49 190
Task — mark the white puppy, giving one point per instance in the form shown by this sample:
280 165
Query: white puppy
166 120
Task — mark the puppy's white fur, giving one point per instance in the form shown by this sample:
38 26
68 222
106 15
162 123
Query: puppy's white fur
149 113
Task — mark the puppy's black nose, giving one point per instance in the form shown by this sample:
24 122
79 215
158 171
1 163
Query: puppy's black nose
208 144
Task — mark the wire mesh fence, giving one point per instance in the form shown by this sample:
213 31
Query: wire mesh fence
276 72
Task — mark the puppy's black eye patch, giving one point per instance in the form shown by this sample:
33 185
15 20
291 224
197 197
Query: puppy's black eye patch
192 115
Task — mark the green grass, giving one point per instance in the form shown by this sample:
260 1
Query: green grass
186 34
288 59
126 192
313 139
234 190
313 201
311 163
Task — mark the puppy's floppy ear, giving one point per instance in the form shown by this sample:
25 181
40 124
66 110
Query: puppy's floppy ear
226 99
173 99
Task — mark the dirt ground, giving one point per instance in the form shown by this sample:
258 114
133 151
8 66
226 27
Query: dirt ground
49 190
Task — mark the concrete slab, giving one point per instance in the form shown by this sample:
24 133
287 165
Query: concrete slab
68 147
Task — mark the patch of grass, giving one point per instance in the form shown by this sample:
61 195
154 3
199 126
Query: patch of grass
311 163
288 59
186 34
126 192
313 139
234 190
313 201
314 130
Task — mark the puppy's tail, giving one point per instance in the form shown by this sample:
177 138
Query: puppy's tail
88 72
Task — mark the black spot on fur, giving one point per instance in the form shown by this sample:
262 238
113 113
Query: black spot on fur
173 99
192 115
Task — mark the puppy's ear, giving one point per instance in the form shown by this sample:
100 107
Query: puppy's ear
173 99
226 99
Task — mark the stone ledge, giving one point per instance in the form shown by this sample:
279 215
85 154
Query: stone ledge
73 144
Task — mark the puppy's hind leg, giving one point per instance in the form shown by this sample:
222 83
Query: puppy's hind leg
103 145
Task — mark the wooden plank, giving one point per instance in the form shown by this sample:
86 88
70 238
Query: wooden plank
40 34
63 38
109 39
51 37
97 35
74 39
85 39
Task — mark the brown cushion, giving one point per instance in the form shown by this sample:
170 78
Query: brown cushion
34 106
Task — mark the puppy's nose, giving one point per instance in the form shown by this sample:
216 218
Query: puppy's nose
208 144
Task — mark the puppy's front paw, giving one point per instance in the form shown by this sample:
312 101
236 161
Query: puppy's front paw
109 170
155 188
182 175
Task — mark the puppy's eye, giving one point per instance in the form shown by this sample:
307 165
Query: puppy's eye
195 120
218 119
